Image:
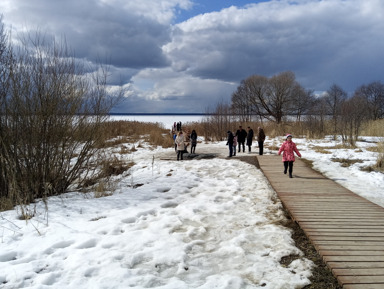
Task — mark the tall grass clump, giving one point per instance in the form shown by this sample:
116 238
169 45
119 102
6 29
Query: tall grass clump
380 158
122 131
374 128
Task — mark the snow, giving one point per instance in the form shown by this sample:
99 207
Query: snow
209 223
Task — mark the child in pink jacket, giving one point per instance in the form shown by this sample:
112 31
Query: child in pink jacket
288 148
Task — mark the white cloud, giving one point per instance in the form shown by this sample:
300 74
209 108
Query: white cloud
317 37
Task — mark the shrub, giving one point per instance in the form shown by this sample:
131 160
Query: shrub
52 113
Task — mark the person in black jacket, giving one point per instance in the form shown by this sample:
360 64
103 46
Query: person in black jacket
193 138
230 142
260 140
249 139
241 136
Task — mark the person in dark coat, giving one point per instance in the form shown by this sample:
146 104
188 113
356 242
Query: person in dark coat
230 142
241 136
249 139
193 138
260 140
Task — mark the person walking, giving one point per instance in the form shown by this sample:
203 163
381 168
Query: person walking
241 136
180 145
230 142
249 139
193 138
260 140
288 148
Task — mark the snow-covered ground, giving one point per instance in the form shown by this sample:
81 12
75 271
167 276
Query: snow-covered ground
210 223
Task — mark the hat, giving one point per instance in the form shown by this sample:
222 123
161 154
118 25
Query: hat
229 131
288 135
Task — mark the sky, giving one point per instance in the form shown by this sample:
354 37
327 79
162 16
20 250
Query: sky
187 55
208 223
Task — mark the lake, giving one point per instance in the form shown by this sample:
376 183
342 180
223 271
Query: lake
166 120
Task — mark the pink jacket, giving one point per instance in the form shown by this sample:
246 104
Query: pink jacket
287 148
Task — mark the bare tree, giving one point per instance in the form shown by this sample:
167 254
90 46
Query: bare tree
334 98
220 120
271 98
240 103
256 89
353 113
303 100
374 96
51 116
316 118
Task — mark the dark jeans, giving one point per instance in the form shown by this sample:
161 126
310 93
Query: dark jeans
230 147
241 143
286 165
193 148
180 154
261 147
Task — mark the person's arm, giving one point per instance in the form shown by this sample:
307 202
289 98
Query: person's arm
281 149
296 151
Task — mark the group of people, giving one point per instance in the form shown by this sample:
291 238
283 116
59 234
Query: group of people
288 148
242 138
182 142
237 142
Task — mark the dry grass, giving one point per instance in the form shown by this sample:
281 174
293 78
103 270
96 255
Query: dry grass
346 162
374 128
322 150
6 204
374 149
380 159
116 133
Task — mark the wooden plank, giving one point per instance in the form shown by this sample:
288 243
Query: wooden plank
344 247
349 233
347 217
335 225
359 272
346 220
354 259
341 230
363 286
316 209
355 265
361 280
345 238
350 253
350 242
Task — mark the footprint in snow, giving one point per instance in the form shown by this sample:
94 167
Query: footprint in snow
169 205
88 244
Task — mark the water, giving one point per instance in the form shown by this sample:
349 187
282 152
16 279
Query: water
166 120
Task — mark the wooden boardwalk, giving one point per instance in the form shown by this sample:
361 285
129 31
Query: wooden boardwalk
346 229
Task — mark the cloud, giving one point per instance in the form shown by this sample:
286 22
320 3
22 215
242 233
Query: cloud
128 33
190 65
328 40
164 90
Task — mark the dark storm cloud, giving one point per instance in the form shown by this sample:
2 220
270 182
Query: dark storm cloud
98 30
